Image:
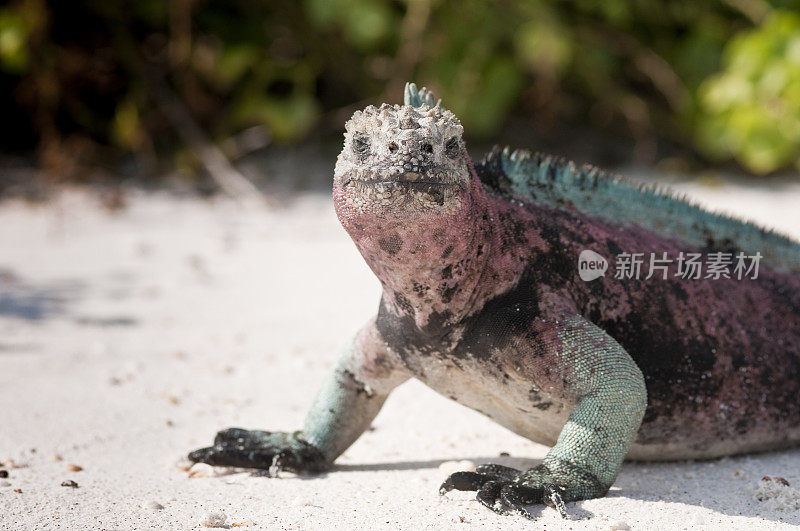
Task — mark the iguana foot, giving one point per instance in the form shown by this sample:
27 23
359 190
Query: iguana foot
504 490
272 452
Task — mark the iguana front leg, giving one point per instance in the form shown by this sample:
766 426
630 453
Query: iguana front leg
611 399
348 401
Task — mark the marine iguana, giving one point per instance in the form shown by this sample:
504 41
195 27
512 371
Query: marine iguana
483 302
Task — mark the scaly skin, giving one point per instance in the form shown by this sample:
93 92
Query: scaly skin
483 303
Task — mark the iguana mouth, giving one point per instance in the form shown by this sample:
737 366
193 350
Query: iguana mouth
394 187
409 179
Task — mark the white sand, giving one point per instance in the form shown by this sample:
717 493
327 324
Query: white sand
128 339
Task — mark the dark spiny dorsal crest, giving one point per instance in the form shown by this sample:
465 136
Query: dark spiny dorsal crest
555 182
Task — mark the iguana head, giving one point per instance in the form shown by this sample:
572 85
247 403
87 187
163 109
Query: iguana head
405 190
402 161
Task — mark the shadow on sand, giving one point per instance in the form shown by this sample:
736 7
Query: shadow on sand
691 483
22 299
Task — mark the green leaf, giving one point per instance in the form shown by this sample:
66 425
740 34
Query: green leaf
127 129
288 118
14 56
544 45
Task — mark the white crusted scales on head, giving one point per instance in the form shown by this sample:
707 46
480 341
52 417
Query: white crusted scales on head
409 128
412 154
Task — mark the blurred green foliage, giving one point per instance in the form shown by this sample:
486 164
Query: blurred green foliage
751 109
721 76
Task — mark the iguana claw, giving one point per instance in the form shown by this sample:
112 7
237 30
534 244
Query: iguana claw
505 490
271 452
553 499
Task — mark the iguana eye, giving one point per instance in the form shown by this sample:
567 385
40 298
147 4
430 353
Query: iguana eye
361 145
451 148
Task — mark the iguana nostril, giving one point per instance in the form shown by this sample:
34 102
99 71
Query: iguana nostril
427 147
392 147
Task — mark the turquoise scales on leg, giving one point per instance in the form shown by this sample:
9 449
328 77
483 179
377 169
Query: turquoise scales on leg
482 302
589 452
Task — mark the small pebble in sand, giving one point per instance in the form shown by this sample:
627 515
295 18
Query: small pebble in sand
183 464
300 502
18 491
504 454
69 483
202 470
5 484
3 473
619 526
73 468
449 467
57 457
154 505
776 493
779 479
213 520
